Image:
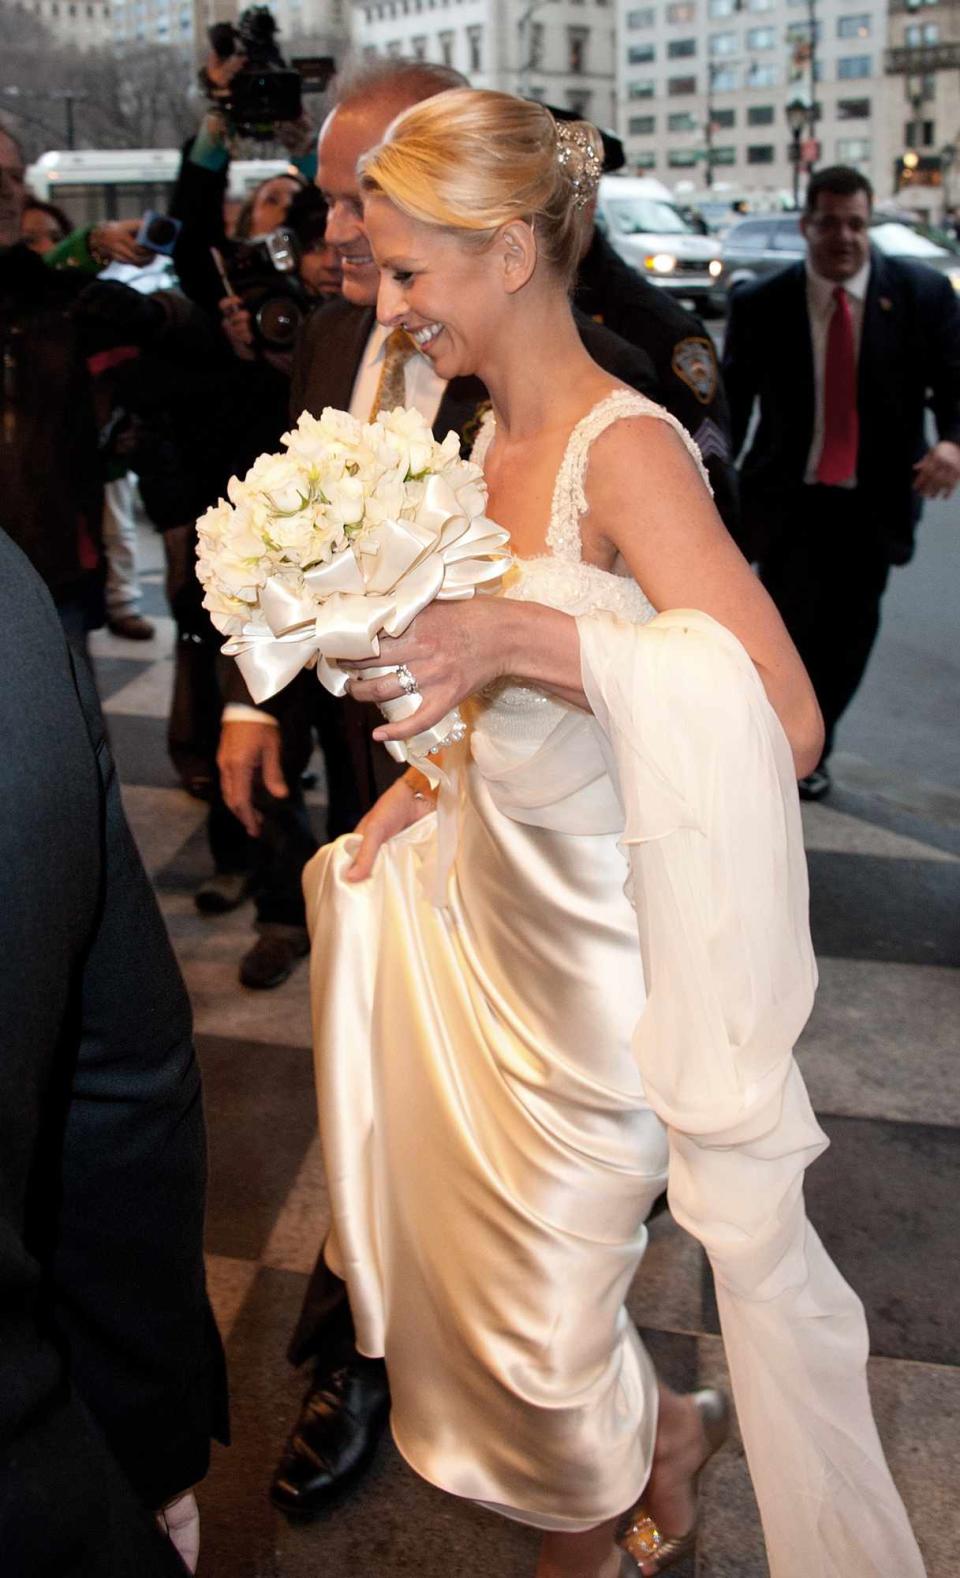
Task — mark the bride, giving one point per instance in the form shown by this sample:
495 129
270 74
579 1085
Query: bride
584 968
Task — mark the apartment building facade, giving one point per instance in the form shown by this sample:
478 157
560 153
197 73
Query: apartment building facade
559 51
922 64
699 78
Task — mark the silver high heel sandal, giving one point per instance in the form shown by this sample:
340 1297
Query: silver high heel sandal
642 1542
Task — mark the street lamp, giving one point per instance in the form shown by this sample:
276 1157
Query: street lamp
798 111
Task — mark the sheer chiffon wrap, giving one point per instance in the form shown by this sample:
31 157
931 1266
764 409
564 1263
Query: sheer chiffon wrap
718 882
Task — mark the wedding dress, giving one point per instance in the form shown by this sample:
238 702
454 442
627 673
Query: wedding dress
501 1097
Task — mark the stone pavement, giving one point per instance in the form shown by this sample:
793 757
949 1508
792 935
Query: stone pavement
879 1056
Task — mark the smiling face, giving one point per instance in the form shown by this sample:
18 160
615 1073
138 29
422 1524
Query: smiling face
350 131
838 235
449 293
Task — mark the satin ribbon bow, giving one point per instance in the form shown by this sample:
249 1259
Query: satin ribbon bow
376 586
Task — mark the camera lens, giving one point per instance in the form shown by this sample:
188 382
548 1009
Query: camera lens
160 232
278 321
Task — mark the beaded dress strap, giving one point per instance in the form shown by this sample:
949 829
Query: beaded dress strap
569 498
481 443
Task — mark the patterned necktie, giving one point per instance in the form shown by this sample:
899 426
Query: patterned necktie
391 390
841 422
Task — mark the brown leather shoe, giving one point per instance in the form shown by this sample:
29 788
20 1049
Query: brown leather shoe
273 957
132 627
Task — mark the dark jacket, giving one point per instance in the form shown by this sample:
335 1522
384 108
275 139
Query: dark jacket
51 481
909 359
686 376
111 1371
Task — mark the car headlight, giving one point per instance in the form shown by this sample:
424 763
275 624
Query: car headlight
661 262
954 278
714 268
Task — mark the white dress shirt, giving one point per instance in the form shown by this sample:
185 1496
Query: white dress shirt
820 309
423 390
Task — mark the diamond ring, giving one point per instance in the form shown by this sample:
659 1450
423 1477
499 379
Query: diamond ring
406 680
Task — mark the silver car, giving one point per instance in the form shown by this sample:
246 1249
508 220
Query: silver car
767 242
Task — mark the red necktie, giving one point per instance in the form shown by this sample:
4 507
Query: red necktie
841 423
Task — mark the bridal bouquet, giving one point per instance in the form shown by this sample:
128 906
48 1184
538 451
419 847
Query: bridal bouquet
344 537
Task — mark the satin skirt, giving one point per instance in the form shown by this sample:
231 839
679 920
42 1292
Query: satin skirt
491 1155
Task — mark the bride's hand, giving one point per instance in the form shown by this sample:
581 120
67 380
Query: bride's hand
404 803
451 649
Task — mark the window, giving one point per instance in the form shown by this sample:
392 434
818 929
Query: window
641 54
853 109
395 49
799 33
682 120
419 47
850 150
475 48
642 18
786 236
720 8
683 158
536 45
682 11
760 153
761 37
646 160
759 76
915 35
850 66
760 5
760 115
723 44
642 125
577 41
751 236
723 155
725 79
918 134
578 100
724 118
854 26
644 88
677 86
681 48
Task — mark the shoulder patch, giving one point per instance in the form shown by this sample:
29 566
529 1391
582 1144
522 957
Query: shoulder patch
695 364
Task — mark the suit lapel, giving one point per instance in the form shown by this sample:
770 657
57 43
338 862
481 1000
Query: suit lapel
798 356
458 410
341 345
879 330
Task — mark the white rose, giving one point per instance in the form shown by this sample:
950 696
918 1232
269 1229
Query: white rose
407 434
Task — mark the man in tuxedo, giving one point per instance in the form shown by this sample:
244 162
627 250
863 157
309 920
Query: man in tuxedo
844 352
347 360
111 1369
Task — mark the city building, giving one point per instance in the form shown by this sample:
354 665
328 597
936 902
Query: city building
560 51
704 88
77 24
923 104
311 26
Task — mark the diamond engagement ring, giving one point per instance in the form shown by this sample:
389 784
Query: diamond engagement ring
406 680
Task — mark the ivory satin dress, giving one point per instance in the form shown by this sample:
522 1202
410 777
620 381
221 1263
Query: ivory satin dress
488 1065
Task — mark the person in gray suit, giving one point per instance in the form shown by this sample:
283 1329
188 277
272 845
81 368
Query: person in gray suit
112 1376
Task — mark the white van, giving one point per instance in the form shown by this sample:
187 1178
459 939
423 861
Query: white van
640 219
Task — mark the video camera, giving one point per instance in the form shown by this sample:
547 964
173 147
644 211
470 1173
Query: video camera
266 90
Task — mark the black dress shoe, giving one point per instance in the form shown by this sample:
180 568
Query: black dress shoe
333 1442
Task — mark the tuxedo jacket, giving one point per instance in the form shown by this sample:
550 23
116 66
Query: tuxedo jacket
909 360
111 1370
325 367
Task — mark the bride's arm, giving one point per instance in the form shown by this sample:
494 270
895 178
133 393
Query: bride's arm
677 548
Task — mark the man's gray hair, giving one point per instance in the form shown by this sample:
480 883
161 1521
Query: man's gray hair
404 82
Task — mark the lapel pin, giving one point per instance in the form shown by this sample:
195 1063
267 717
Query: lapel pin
885 303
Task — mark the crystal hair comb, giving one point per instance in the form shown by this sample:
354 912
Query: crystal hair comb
579 160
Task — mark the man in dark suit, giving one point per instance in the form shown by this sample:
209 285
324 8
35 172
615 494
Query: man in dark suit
111 1369
844 352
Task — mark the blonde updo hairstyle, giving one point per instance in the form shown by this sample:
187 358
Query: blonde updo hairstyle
470 160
